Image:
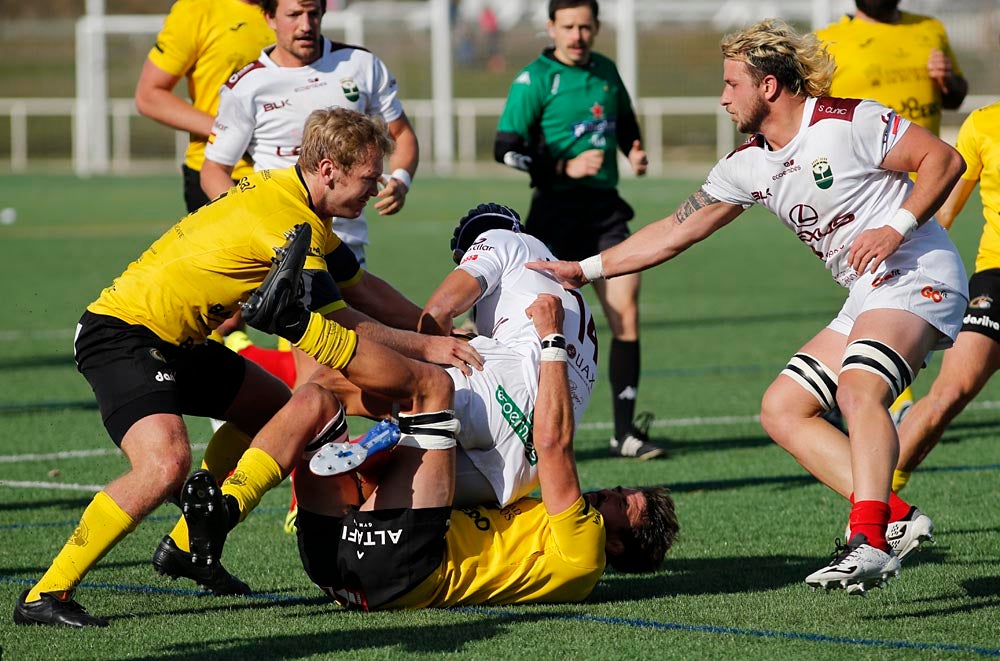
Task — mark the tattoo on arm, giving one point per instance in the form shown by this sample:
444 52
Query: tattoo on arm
697 200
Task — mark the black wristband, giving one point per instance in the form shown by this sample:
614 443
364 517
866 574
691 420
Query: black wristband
554 341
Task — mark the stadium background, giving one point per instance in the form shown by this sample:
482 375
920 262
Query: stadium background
677 57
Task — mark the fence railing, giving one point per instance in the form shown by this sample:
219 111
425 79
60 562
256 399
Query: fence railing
467 112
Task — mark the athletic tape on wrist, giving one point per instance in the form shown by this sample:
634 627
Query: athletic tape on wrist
403 176
593 268
903 222
553 354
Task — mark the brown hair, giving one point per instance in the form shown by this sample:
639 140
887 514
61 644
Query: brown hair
344 136
646 544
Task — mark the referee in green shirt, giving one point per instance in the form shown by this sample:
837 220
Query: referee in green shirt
566 115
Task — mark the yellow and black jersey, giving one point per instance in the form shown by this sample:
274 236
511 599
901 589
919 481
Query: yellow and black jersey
979 144
515 555
207 41
195 275
888 63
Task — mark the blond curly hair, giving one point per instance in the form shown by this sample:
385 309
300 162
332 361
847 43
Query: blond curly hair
772 48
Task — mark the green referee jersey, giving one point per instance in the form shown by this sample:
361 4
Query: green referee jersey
555 111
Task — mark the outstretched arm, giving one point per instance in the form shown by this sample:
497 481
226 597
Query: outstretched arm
552 429
697 218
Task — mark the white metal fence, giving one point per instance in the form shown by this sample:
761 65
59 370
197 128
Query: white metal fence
467 112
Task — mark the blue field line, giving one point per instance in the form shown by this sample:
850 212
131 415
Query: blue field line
591 619
754 633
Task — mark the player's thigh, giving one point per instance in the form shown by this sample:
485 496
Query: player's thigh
968 365
355 400
807 386
378 369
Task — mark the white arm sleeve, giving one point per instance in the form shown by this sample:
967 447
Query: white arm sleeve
232 130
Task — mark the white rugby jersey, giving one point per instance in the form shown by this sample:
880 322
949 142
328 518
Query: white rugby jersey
498 258
494 403
263 109
827 185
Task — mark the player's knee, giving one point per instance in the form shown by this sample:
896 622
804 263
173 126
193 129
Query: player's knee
164 467
871 357
314 403
434 389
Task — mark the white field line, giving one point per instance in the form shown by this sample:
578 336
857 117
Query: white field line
78 454
70 454
90 488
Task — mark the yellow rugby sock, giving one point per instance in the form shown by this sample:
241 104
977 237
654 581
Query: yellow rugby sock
102 525
256 474
900 479
328 342
224 450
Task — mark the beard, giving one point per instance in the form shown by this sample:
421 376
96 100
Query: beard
881 10
755 117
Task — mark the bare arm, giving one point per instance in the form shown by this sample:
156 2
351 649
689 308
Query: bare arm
380 300
455 295
552 429
154 98
938 166
405 157
695 219
955 202
216 178
447 351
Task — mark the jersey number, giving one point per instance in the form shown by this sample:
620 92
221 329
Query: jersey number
587 328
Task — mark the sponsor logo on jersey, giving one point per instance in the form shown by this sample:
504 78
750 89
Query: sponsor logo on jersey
822 173
912 109
469 258
288 151
758 195
831 108
597 110
809 236
933 294
235 78
886 277
165 375
359 537
593 126
787 168
350 89
981 303
519 422
982 320
276 105
803 215
524 78
480 245
236 28
156 354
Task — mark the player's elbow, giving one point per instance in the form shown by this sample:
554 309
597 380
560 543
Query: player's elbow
955 165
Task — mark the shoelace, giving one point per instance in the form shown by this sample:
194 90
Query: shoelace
841 551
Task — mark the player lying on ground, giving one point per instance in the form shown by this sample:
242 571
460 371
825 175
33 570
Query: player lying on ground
405 547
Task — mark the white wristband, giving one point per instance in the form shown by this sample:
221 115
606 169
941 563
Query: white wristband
552 354
592 267
903 222
403 176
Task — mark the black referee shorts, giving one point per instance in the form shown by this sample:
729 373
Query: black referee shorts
579 223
